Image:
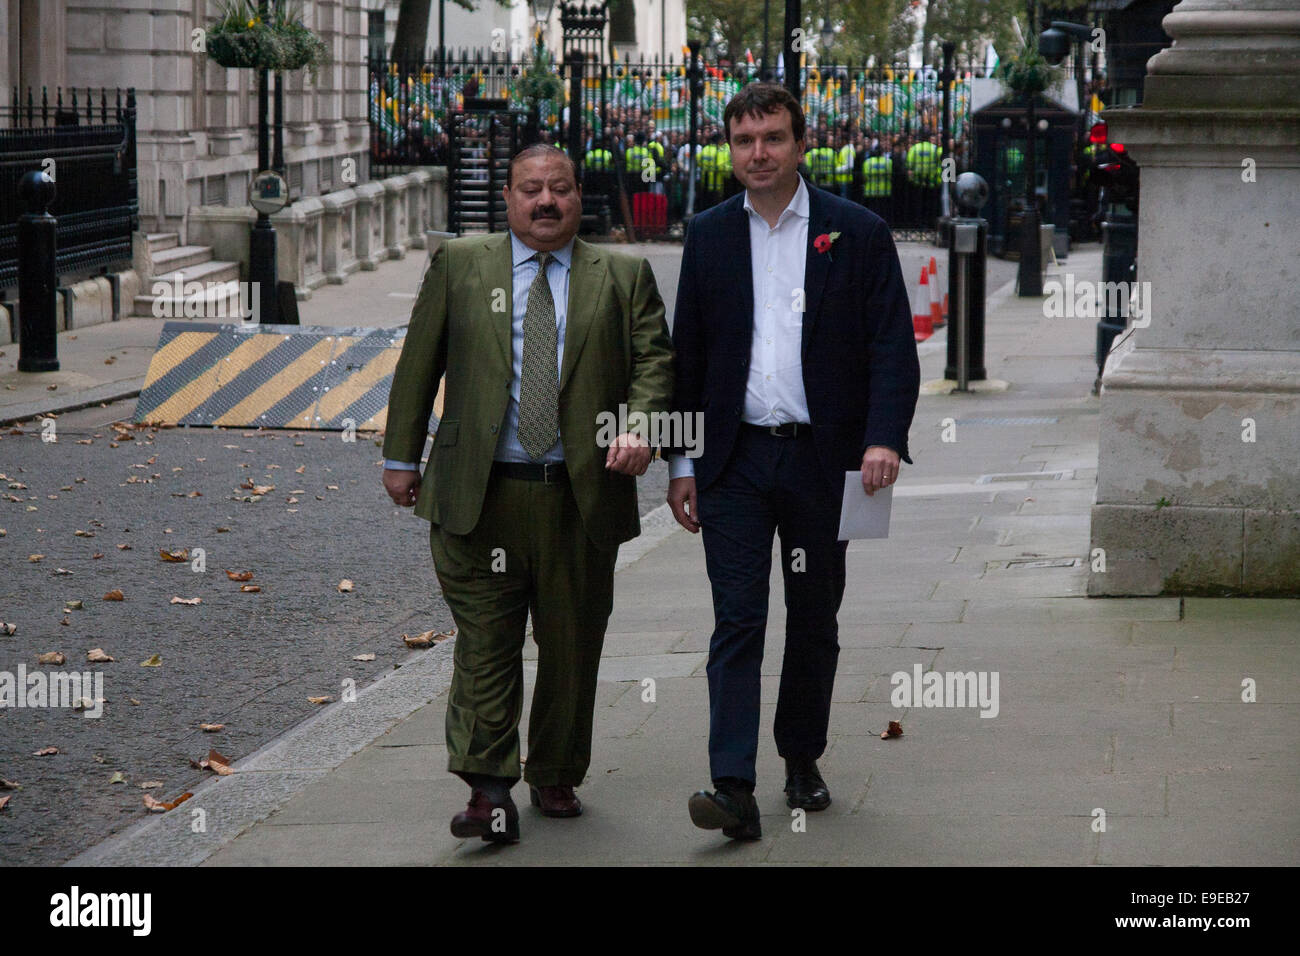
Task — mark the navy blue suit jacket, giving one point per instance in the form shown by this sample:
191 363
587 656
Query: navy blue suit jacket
860 369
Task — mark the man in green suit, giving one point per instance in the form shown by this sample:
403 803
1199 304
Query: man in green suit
544 340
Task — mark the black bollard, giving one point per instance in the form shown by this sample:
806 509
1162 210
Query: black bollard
966 282
38 349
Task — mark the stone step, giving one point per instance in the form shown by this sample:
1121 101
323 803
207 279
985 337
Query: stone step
179 258
212 270
158 241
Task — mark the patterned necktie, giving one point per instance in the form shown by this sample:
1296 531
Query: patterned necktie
539 386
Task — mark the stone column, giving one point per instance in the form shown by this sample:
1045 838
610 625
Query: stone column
1198 487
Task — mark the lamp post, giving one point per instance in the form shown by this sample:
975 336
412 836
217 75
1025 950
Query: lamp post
790 55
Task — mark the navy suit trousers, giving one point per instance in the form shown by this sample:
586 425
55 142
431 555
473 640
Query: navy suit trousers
769 485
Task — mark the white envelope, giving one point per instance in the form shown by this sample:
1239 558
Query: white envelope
863 515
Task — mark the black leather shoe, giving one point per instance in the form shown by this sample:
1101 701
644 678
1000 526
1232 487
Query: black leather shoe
804 786
734 812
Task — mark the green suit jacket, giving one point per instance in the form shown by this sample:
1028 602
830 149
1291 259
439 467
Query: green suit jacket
616 351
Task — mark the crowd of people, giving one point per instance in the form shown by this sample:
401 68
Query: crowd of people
897 175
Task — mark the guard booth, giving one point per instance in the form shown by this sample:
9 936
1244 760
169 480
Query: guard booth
482 138
999 140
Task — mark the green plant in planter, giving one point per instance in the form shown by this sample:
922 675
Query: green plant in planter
540 82
241 38
1027 72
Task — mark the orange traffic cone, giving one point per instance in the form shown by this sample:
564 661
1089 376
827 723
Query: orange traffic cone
922 317
938 304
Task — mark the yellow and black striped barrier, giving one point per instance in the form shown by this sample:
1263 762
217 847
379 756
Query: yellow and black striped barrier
270 376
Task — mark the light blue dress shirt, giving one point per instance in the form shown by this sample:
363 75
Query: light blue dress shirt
524 270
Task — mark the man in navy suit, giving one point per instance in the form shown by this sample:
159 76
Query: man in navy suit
793 339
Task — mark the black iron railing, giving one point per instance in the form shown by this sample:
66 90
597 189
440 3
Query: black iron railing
89 148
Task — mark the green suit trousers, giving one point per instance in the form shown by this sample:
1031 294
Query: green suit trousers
527 554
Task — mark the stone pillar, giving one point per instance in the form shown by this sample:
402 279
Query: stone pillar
1198 488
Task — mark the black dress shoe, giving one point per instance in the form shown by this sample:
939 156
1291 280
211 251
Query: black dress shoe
734 812
804 786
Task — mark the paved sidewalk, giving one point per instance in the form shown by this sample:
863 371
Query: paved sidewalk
1128 706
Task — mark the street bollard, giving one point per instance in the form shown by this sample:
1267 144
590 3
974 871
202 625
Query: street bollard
38 348
967 263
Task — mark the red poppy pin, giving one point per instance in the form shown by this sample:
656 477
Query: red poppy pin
823 243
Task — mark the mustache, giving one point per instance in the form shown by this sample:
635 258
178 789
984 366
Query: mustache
546 212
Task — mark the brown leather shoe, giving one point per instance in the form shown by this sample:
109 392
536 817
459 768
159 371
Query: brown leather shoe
494 822
556 801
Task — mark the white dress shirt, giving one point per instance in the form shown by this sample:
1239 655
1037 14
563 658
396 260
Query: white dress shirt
774 393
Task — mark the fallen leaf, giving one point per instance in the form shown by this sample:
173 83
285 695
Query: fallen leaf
4 801
35 558
97 555
239 575
211 728
72 605
345 585
134 702
300 469
157 806
895 730
66 622
118 777
155 661
7 629
115 595
124 547
331 487
9 785
97 656
419 640
52 657
320 700
46 752
84 534
62 571
364 657
151 785
222 530
190 601
181 554
217 763
249 589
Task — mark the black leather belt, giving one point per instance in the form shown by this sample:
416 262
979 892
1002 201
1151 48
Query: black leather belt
786 430
531 471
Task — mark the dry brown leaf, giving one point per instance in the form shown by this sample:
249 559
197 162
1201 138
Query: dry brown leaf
154 661
118 777
9 785
84 534
46 752
98 656
419 640
35 558
151 785
320 700
52 657
217 763
211 728
115 595
895 730
124 547
7 628
345 585
364 657
181 554
157 806
4 801
190 601
75 605
250 589
300 469
239 575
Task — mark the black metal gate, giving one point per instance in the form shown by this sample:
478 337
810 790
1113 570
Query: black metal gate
483 137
